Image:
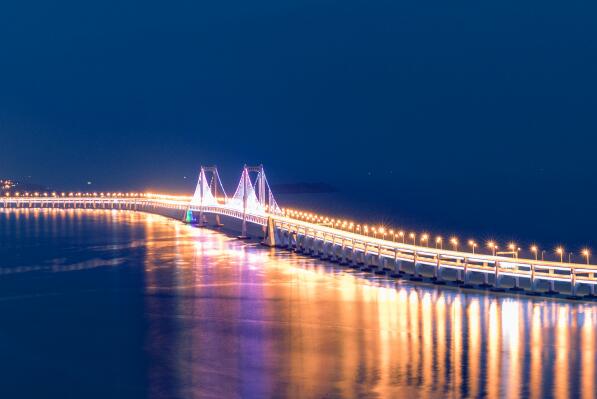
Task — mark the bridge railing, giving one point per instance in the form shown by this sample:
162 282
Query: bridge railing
539 269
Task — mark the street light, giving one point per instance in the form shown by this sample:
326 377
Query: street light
587 254
493 247
534 250
473 244
401 234
454 242
438 241
512 247
560 251
413 236
424 238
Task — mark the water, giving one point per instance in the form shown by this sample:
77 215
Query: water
108 304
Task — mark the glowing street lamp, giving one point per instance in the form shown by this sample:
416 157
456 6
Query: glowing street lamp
425 239
587 254
535 250
383 233
413 236
401 234
492 246
454 242
512 247
560 251
393 235
438 241
473 245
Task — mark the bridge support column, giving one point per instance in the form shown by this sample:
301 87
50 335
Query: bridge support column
516 284
333 255
498 278
573 284
552 287
342 259
416 273
310 248
397 270
533 287
437 272
353 257
325 250
465 272
270 236
218 221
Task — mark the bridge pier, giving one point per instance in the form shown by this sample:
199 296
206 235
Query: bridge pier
299 243
333 255
354 258
417 275
517 286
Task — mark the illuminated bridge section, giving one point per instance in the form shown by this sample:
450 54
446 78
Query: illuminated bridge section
254 204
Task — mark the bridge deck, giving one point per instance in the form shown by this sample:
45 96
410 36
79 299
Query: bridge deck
573 273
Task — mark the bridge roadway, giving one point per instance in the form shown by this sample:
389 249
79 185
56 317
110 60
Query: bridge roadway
439 266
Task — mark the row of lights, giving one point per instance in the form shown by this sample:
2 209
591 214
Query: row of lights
424 239
79 194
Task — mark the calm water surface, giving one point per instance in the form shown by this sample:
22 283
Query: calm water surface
107 304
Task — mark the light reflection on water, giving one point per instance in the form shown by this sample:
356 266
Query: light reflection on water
226 318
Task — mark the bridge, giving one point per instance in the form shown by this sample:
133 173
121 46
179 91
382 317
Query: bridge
253 210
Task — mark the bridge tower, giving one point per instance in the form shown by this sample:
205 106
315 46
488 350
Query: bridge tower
209 192
254 198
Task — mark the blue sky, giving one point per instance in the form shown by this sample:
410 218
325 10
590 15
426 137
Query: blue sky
375 95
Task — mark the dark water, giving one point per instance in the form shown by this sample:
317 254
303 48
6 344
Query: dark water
111 304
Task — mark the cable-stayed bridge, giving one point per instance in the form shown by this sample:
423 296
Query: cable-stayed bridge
253 210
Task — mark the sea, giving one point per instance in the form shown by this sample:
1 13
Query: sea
120 304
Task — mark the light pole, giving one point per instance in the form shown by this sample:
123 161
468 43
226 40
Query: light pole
534 250
493 247
473 244
413 236
425 238
512 247
560 251
401 234
438 241
587 254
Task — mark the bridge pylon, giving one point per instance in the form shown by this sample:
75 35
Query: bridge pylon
254 197
209 192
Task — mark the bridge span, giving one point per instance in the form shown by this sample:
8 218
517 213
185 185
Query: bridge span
253 210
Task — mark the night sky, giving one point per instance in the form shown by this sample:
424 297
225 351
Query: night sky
475 116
